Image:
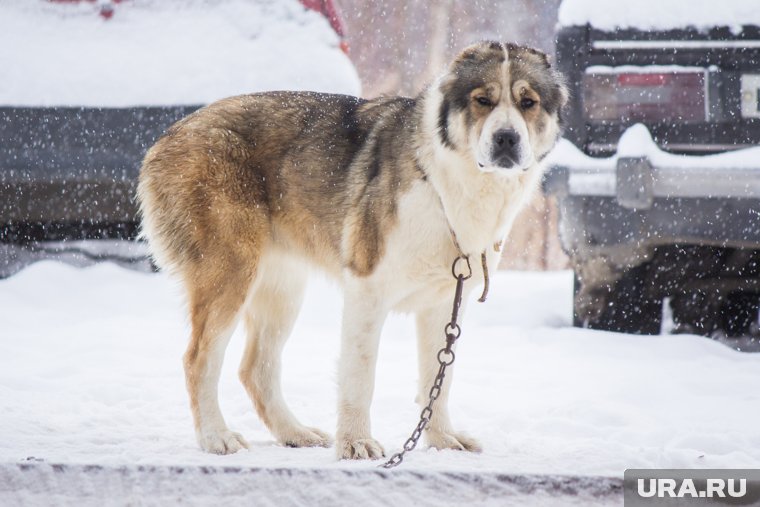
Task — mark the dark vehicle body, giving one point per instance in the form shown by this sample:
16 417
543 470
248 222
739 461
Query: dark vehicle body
68 175
646 231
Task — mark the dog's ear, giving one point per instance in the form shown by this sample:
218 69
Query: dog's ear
560 87
545 59
564 91
478 51
468 54
563 95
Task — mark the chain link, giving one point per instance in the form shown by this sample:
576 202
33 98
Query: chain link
445 359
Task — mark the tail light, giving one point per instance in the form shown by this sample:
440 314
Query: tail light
644 94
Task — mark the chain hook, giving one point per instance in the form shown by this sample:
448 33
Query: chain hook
466 259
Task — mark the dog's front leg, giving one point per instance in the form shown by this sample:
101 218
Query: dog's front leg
363 318
431 339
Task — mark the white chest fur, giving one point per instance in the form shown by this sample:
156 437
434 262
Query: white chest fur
419 251
482 207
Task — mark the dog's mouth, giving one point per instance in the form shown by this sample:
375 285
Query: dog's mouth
498 167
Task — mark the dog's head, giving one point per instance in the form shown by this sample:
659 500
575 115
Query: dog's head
501 103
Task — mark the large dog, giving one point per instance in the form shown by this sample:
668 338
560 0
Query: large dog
240 198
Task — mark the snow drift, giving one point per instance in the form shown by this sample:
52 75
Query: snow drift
168 52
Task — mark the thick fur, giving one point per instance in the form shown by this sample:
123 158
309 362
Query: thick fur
241 197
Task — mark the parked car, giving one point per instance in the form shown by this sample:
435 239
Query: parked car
658 181
89 86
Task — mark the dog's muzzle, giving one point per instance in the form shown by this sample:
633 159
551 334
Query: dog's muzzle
505 148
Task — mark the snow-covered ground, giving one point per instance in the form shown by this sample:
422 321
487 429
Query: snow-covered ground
165 52
90 373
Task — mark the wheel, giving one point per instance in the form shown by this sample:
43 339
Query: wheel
695 313
733 314
628 307
738 313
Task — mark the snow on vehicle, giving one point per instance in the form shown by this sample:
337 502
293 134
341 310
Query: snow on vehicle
84 94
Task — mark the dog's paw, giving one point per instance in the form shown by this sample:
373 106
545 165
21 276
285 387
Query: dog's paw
222 442
306 437
362 448
452 440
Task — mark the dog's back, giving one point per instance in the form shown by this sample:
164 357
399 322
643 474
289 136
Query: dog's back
213 181
248 170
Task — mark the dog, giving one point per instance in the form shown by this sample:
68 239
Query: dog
242 197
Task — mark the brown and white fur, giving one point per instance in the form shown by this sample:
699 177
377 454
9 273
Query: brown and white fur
242 197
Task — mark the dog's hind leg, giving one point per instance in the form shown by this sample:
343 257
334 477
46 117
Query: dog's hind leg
431 339
269 318
215 299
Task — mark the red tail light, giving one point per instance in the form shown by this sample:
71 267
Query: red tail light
647 95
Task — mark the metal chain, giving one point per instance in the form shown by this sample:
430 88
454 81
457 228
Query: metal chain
445 359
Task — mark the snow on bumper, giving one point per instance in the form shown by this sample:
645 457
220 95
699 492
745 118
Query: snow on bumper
640 172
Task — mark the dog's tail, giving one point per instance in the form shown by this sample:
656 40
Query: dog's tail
161 205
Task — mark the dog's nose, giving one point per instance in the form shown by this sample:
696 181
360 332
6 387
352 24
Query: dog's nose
505 145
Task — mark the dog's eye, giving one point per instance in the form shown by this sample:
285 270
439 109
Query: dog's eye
527 103
484 101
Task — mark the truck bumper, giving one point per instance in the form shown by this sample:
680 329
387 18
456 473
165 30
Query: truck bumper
635 182
644 199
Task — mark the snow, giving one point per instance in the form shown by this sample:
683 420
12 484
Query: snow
675 45
165 52
642 69
637 141
659 14
730 174
90 374
87 485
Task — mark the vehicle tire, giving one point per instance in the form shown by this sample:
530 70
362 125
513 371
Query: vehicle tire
738 313
694 313
628 308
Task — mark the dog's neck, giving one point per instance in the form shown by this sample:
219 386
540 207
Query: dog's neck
480 207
